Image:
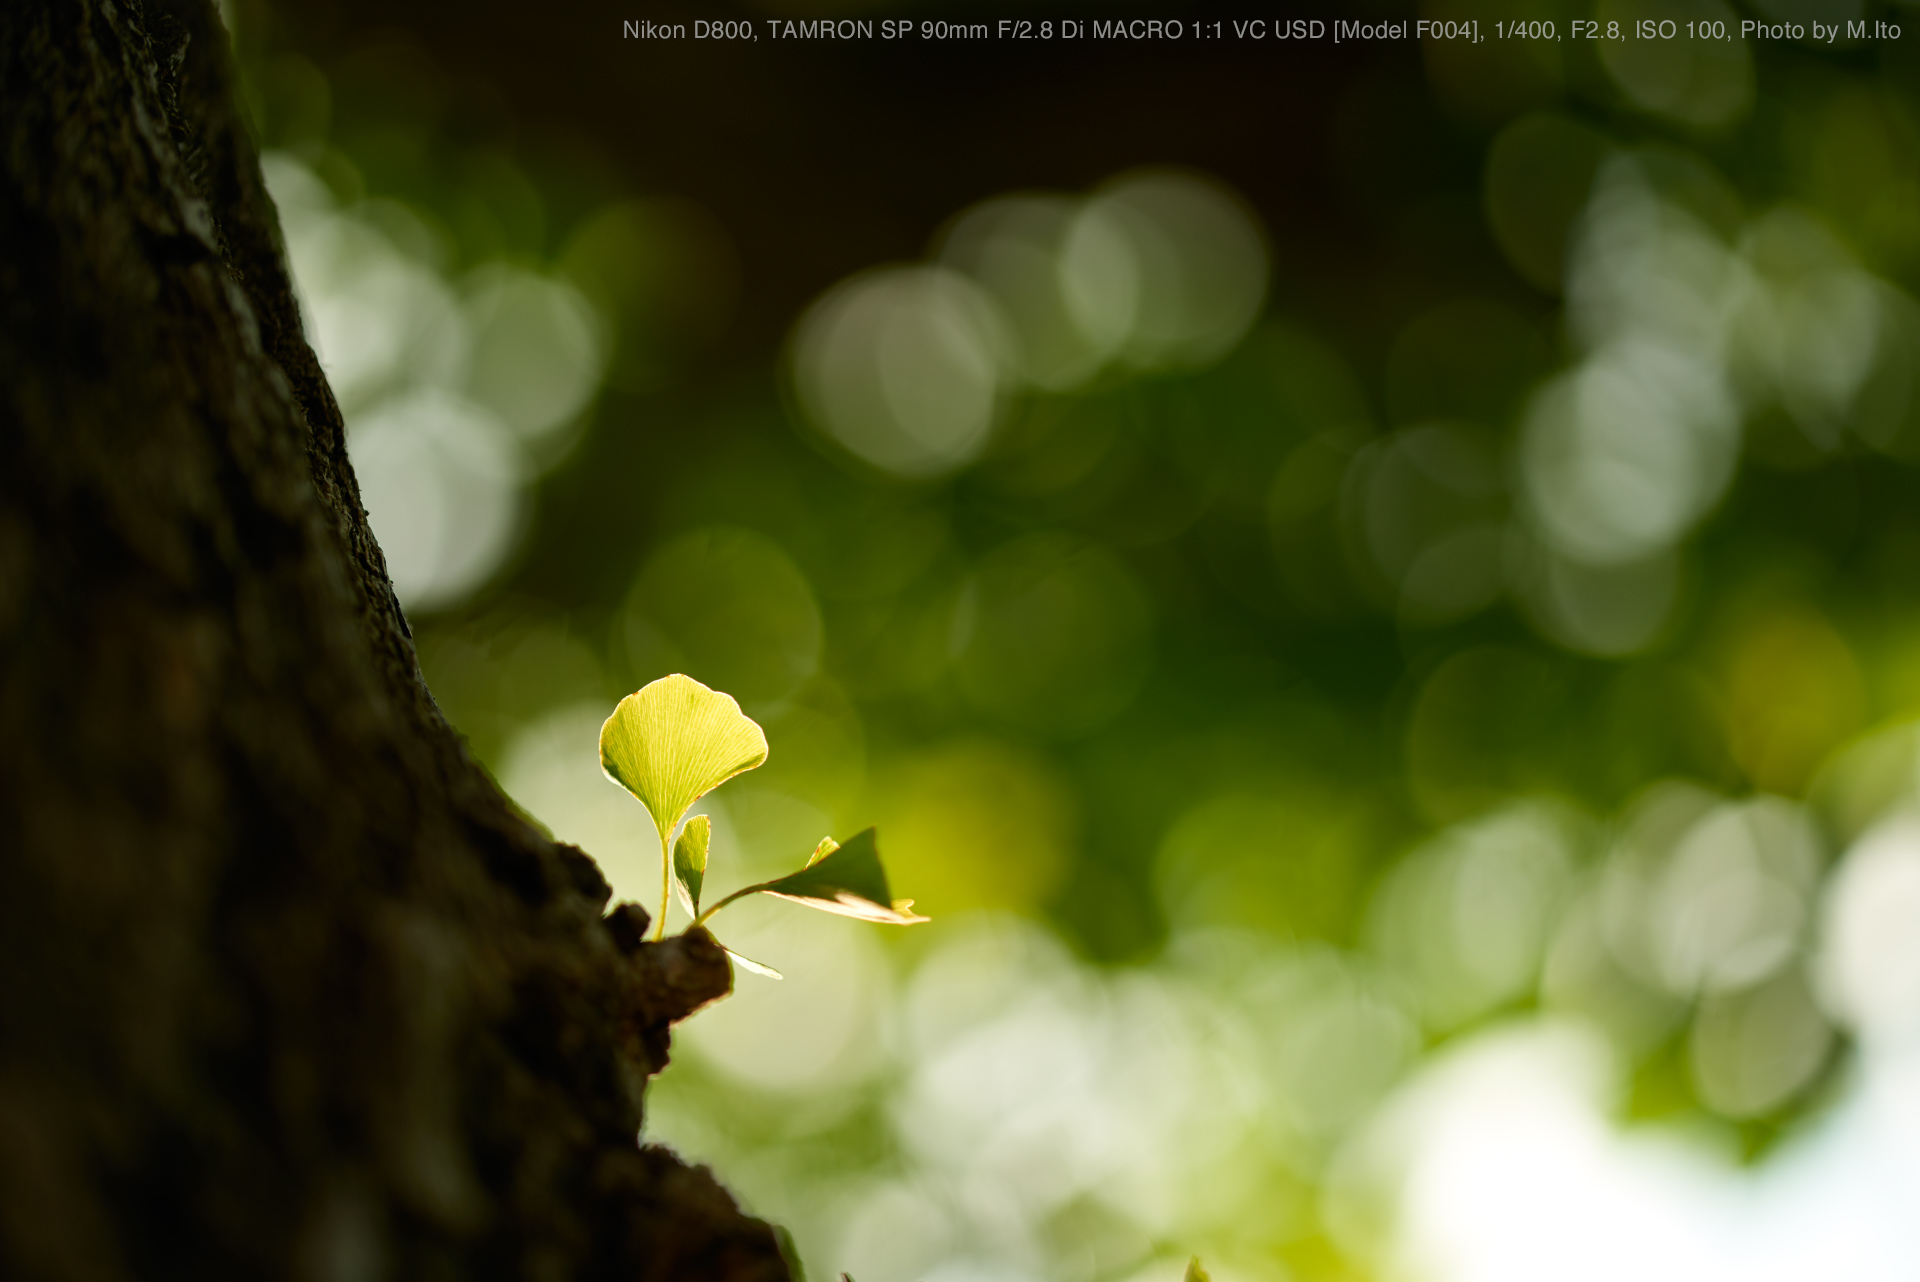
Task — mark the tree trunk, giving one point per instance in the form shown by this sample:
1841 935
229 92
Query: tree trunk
287 987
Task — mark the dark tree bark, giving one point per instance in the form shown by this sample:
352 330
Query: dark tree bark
287 987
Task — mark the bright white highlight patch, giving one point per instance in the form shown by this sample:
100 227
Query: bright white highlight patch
1693 320
536 348
1175 254
440 480
908 368
1504 1165
1706 896
1466 918
1870 959
809 1033
1622 456
453 394
904 367
1065 283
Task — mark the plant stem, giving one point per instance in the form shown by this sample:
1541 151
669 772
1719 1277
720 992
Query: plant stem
666 883
741 893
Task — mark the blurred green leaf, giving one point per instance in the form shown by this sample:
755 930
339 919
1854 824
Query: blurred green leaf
790 1253
690 861
826 847
848 880
1194 1272
674 740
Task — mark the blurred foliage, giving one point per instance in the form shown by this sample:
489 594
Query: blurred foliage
1465 548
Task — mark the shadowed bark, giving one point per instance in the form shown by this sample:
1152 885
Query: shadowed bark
287 987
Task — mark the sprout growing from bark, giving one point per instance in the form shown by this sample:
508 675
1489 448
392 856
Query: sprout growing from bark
672 742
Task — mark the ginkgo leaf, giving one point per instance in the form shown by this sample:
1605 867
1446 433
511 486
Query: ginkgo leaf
758 968
674 740
848 880
826 847
690 861
1194 1272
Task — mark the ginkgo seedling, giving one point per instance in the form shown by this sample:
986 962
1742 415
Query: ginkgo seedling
673 741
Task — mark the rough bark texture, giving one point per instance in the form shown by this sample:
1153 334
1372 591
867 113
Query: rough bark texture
287 988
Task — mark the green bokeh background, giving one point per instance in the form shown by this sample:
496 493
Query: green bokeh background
1141 673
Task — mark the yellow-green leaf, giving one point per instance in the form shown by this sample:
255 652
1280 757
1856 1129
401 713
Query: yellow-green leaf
1194 1272
674 740
826 847
848 880
690 861
758 968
